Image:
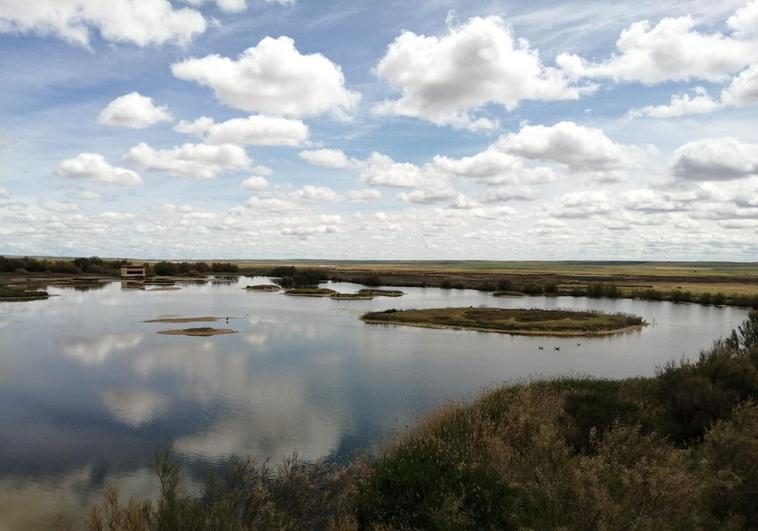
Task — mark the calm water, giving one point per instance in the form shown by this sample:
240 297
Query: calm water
89 393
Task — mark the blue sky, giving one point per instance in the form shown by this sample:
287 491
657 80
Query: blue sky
379 130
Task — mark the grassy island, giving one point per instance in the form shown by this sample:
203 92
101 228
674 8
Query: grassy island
381 292
511 321
264 287
20 294
310 292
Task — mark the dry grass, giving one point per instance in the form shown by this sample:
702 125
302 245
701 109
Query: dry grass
511 321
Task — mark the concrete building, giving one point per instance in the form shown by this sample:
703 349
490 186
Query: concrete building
132 271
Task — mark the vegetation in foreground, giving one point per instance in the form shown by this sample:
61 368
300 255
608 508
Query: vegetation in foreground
510 320
677 451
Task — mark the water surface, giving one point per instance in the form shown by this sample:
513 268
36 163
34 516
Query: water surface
89 393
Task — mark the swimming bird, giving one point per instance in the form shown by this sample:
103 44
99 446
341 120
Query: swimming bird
556 348
578 344
539 348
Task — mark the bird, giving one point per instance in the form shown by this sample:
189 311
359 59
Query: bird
539 348
556 348
578 344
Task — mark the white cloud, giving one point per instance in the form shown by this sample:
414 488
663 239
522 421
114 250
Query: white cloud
327 158
134 111
744 22
4 193
256 130
381 170
672 50
364 196
200 161
743 89
142 23
580 148
270 204
443 79
493 167
229 6
59 207
255 182
716 159
116 216
316 193
94 167
583 204
197 127
427 196
259 130
273 78
681 105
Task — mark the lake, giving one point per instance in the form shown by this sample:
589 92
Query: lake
89 392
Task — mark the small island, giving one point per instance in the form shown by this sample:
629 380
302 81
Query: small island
273 288
381 293
518 321
8 294
310 292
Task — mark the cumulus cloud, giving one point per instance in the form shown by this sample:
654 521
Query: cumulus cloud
134 111
380 170
199 161
428 196
743 89
716 159
256 130
141 23
197 127
255 182
316 193
443 79
580 148
59 207
699 102
744 22
327 158
364 196
94 167
493 167
229 6
273 78
671 50
584 204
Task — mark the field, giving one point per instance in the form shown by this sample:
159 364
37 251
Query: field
510 321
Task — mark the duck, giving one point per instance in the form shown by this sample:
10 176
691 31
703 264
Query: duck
556 348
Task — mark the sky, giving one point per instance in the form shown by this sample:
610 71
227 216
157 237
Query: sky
379 129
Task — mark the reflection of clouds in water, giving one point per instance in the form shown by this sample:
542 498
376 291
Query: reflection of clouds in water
136 407
282 328
96 350
65 495
272 414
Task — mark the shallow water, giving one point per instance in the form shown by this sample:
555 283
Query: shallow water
89 393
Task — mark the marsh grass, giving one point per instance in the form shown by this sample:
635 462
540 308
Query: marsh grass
677 451
510 320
